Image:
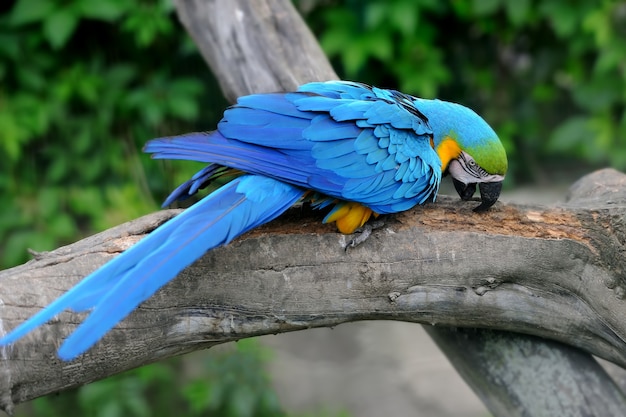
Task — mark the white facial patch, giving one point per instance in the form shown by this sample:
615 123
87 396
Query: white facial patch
466 170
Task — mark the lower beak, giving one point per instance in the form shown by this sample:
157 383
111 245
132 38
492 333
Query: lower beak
489 193
466 191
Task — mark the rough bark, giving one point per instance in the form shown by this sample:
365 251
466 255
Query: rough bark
550 272
521 375
553 272
254 46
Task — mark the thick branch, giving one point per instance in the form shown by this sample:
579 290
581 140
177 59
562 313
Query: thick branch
254 46
521 375
551 272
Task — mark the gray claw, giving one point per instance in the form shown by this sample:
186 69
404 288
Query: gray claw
364 233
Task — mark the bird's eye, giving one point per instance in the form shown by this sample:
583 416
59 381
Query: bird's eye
472 163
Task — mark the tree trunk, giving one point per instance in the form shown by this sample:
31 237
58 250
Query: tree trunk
551 272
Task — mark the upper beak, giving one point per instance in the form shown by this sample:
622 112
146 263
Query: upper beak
489 193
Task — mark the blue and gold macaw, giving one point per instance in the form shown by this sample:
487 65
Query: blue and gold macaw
362 150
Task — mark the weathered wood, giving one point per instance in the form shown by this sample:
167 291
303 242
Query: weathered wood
519 375
551 272
254 46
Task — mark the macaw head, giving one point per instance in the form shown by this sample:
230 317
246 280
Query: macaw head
469 149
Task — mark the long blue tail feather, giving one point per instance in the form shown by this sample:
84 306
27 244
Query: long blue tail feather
118 287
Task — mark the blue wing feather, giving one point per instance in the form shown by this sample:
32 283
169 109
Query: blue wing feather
323 128
366 142
321 137
190 187
339 90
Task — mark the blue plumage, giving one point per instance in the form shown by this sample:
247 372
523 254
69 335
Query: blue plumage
343 141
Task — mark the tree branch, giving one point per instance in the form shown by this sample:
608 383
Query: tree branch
521 375
254 46
566 285
550 272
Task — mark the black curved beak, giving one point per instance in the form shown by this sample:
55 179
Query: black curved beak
466 191
489 193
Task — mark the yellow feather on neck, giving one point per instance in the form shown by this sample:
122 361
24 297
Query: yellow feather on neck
447 150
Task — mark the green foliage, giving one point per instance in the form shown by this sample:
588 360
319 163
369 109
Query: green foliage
387 36
83 85
548 75
239 392
222 383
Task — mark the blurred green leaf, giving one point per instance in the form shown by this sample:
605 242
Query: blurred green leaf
59 26
12 135
16 245
518 11
486 7
599 93
9 45
184 107
598 22
404 16
196 393
62 226
147 23
571 133
243 402
32 79
562 16
109 10
29 11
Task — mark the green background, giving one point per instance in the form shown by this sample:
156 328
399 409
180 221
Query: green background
84 84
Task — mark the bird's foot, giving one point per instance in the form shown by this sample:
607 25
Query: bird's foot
363 233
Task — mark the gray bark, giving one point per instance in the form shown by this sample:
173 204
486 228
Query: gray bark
254 46
522 375
552 272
